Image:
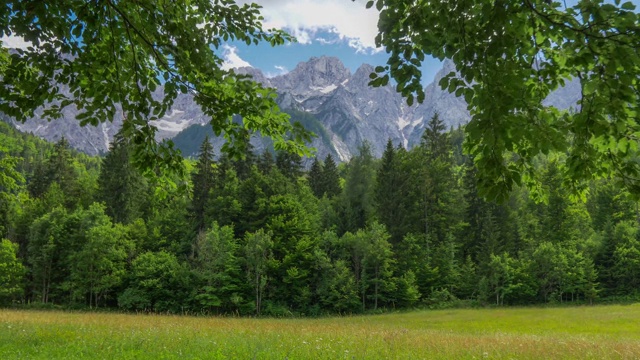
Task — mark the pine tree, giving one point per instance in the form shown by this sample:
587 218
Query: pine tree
440 198
434 139
358 195
554 221
58 168
243 164
315 178
389 193
289 164
120 185
330 177
38 182
474 212
266 162
203 180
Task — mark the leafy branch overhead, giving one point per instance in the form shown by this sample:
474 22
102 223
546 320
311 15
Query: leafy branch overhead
136 57
510 55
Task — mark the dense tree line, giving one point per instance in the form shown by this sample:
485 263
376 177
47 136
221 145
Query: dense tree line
261 235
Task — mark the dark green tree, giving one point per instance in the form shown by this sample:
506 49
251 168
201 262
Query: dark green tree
224 206
203 179
289 164
58 167
244 161
266 162
390 193
438 192
121 186
435 139
10 181
315 178
330 177
357 197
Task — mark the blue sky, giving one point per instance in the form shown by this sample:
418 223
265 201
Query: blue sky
340 28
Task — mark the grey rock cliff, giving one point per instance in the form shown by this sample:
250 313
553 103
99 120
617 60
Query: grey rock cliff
347 109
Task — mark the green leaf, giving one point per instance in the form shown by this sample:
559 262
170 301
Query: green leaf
628 6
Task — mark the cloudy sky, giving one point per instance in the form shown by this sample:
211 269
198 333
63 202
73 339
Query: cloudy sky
340 28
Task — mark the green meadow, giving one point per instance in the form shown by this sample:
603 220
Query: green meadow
589 332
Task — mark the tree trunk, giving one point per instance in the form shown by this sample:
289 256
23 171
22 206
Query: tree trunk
375 304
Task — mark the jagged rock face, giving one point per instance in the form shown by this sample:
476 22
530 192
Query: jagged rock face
89 139
356 112
451 109
316 77
347 109
565 97
255 74
95 140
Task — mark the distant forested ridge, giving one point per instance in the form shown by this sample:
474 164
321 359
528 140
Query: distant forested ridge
264 236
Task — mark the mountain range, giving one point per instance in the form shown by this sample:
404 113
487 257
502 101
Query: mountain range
321 93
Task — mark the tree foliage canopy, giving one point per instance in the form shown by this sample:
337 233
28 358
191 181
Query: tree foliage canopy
510 55
136 57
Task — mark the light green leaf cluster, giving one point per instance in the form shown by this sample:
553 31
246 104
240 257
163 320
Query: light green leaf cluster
510 55
11 272
135 58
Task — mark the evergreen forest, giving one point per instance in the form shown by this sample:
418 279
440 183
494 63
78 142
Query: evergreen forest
262 235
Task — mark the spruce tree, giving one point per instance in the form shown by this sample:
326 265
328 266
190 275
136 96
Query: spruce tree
38 182
203 179
389 193
358 195
243 164
120 185
266 162
330 177
434 139
439 198
289 164
58 168
474 211
315 178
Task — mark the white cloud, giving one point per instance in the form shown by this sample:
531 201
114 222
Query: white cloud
14 42
349 20
231 58
281 70
325 41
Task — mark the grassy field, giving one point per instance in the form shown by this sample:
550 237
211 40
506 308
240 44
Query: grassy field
599 332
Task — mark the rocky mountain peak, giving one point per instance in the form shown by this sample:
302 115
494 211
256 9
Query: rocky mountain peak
338 105
328 67
360 79
256 74
364 70
318 75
